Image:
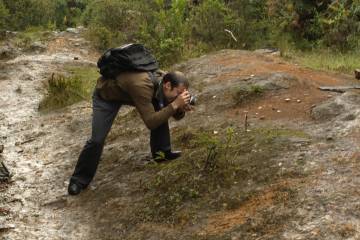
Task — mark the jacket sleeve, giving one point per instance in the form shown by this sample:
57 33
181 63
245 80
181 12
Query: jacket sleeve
141 92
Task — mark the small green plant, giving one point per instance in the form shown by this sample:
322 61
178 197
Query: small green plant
62 91
65 90
256 89
213 172
243 94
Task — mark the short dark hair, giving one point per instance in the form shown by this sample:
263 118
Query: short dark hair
176 78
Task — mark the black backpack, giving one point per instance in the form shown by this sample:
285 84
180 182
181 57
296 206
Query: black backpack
130 57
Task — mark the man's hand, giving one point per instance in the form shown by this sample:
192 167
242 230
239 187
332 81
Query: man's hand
181 100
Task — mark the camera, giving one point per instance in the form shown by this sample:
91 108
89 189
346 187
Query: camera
193 100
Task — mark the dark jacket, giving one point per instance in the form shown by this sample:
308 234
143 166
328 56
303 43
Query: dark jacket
137 89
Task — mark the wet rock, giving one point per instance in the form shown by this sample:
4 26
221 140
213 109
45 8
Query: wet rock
84 51
18 90
352 98
299 140
329 138
6 227
7 52
3 76
28 140
4 172
7 34
57 203
77 125
19 150
357 74
37 47
72 30
275 81
267 51
327 111
28 77
349 117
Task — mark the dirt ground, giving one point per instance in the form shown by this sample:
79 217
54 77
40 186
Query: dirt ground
314 197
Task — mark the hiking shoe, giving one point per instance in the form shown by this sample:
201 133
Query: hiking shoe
166 156
74 189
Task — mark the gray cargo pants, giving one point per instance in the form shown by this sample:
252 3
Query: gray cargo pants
104 113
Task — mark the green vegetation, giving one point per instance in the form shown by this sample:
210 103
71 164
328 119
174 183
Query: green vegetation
4 14
111 23
167 31
214 172
25 38
65 90
22 14
243 94
328 60
179 29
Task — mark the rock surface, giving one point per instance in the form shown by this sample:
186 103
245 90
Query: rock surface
8 52
37 47
327 111
275 81
304 200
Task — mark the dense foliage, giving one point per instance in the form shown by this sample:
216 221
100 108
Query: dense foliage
22 14
175 29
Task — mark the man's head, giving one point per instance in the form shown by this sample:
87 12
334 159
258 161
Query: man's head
174 83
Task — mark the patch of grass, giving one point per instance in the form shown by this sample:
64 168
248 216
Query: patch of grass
273 133
328 60
65 90
214 173
243 94
87 75
25 38
269 222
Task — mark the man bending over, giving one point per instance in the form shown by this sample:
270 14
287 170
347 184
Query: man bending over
156 95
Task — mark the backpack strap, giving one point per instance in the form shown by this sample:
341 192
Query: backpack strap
154 81
157 96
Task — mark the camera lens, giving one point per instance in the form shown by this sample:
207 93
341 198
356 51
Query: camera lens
192 100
